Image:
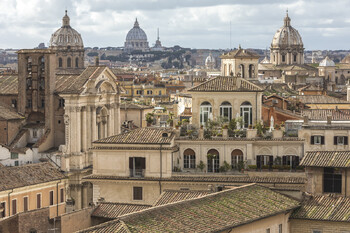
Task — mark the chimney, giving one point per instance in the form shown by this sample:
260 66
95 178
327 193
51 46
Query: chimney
97 61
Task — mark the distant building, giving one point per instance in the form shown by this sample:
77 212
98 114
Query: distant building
158 46
136 39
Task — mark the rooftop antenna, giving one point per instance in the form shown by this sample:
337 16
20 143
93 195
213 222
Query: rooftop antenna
157 33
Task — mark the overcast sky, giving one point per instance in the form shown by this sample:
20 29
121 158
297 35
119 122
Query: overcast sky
323 24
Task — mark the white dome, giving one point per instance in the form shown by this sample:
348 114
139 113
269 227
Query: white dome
210 59
287 36
66 35
136 33
327 62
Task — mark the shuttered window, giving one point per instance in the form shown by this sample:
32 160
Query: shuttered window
14 207
51 197
38 201
25 204
137 193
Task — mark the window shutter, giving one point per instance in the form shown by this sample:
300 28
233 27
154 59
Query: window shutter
322 140
258 161
312 140
131 164
143 163
335 140
345 140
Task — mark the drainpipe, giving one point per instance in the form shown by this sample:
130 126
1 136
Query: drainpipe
346 172
57 197
256 107
160 175
8 197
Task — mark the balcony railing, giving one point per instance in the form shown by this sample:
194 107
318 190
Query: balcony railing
137 172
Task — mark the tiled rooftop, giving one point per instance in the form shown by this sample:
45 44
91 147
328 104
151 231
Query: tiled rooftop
326 159
9 85
73 83
226 84
7 113
240 53
321 114
141 136
320 99
324 208
113 210
222 179
211 213
20 176
170 196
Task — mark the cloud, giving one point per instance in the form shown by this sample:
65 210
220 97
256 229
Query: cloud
190 23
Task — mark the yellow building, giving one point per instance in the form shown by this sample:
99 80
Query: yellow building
29 187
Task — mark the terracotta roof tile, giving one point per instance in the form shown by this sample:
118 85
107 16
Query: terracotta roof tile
170 196
113 210
211 213
240 53
70 83
108 227
9 85
141 136
326 159
321 114
320 99
226 84
221 179
7 113
324 208
31 174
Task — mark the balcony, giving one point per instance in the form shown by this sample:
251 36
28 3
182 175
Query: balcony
137 172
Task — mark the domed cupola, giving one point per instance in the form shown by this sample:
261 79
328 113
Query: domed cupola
66 37
136 39
287 46
210 62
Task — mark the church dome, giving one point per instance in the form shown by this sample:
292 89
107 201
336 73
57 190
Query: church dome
327 62
209 59
136 33
66 35
287 35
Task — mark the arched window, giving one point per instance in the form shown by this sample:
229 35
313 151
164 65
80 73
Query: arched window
241 66
60 62
283 58
189 159
295 58
225 71
226 110
246 114
213 160
205 112
69 62
230 69
251 71
236 158
76 62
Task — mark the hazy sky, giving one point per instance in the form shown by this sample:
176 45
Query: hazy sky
188 23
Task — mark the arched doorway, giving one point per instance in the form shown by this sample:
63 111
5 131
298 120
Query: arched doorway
213 160
236 159
189 158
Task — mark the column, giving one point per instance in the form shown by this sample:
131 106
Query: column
116 118
93 123
78 129
84 130
88 124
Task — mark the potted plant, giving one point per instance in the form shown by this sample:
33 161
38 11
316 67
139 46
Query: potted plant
201 166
